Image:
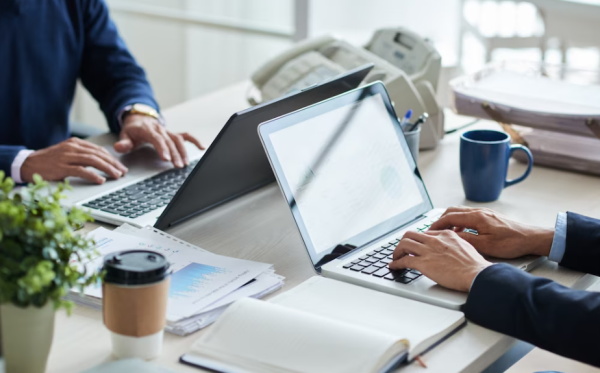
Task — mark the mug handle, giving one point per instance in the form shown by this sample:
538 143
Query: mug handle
514 148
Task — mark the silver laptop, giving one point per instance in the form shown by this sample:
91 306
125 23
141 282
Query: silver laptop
155 194
353 188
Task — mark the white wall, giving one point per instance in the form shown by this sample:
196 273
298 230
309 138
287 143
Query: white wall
356 20
186 54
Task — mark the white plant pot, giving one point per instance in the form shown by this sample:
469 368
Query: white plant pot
26 337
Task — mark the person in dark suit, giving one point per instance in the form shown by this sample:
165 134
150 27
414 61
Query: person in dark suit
504 298
46 46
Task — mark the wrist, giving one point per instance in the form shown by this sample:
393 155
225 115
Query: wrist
139 119
541 241
28 169
471 275
139 110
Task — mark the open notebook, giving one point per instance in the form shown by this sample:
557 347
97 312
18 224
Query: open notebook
323 325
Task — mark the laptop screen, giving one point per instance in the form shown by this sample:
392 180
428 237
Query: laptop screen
345 169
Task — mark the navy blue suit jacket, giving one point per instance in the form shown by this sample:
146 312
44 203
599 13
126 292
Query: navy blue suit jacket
540 311
45 47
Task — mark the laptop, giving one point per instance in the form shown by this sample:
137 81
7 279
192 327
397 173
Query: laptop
353 188
233 165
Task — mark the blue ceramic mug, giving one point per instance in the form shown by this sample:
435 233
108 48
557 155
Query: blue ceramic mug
484 156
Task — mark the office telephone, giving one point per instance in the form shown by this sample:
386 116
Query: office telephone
407 64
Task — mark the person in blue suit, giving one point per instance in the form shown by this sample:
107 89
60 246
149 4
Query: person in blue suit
46 46
504 298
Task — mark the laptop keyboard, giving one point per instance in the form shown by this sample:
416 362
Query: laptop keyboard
144 196
375 263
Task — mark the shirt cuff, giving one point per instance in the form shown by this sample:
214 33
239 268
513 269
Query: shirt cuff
120 115
15 167
559 242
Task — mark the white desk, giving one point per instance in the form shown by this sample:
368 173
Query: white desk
259 227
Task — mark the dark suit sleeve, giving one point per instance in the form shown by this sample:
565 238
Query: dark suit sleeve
582 251
537 310
7 156
108 70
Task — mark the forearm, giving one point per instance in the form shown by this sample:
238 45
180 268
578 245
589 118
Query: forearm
108 70
536 310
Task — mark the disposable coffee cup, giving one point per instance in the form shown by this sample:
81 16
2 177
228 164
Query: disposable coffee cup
134 302
412 139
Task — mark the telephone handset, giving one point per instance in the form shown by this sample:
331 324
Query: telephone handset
407 64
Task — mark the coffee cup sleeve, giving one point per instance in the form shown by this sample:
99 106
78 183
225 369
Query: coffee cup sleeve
135 311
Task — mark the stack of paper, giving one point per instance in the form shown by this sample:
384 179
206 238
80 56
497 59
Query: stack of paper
560 150
529 99
557 110
203 284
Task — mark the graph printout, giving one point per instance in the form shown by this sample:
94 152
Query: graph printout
199 278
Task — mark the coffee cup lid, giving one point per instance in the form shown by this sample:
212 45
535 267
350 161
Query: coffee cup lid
135 267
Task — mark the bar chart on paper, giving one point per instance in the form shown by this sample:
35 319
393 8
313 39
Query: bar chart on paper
193 278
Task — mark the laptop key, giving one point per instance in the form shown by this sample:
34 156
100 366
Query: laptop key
389 276
398 272
357 268
411 275
403 280
370 270
381 272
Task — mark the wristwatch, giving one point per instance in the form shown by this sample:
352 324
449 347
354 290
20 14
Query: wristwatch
142 109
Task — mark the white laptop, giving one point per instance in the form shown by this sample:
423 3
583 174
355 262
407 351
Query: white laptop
353 188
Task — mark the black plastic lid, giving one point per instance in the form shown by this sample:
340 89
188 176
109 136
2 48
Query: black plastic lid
135 267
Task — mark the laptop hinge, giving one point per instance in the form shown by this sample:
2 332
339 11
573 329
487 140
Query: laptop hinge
338 252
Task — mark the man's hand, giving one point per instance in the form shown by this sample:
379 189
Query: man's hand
70 158
139 129
442 256
496 235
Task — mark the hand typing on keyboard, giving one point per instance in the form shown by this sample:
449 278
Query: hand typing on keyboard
442 256
496 235
448 252
72 157
140 129
79 158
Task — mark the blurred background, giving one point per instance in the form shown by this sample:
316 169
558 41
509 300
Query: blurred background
191 47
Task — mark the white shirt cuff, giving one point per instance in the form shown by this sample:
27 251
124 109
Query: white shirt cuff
15 167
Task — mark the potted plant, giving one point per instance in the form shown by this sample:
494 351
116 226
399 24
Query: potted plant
40 261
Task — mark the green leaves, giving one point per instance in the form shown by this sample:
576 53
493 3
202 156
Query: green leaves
39 250
37 277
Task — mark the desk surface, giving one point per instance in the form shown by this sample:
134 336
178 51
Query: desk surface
259 227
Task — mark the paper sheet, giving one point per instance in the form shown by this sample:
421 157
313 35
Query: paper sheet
200 278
